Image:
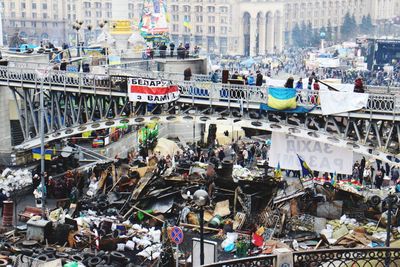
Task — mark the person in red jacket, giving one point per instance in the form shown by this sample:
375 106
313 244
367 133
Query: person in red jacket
358 85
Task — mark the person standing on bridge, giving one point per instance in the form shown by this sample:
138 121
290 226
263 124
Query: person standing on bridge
187 73
358 85
171 49
289 82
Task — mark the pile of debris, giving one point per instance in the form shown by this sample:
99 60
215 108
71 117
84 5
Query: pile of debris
126 215
14 180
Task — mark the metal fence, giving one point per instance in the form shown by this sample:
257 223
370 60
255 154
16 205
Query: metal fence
196 92
359 257
262 261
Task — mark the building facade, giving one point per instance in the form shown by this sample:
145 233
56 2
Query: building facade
246 27
34 20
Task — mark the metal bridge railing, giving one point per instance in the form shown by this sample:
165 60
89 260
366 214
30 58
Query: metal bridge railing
265 261
362 257
198 92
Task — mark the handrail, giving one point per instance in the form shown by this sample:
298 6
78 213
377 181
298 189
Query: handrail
195 90
263 260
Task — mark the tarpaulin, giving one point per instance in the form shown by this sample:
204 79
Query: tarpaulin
338 102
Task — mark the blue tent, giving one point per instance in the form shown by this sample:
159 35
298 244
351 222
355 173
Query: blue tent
25 47
248 62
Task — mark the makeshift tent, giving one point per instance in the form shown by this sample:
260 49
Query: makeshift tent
166 147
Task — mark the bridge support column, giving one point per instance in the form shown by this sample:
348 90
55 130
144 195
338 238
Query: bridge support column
5 129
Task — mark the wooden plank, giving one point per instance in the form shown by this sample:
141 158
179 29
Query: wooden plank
141 185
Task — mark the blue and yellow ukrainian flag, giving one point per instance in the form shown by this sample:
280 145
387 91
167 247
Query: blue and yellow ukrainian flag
282 98
305 169
278 171
187 24
333 179
37 155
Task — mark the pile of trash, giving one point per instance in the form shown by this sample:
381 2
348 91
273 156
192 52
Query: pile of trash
14 180
126 215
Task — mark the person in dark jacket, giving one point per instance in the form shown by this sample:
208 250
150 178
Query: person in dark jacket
358 85
259 78
187 73
63 65
171 49
289 82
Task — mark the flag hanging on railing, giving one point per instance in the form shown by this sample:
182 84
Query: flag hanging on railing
283 99
152 91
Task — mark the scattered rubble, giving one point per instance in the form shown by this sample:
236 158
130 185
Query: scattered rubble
125 216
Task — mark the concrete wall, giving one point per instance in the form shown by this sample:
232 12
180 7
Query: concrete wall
198 65
5 129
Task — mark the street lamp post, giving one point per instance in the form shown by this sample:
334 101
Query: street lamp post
200 198
77 26
101 25
391 201
89 27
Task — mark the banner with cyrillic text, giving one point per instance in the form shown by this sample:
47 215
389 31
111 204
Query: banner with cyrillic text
152 91
319 156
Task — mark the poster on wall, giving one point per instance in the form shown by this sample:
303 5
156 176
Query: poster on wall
152 91
319 156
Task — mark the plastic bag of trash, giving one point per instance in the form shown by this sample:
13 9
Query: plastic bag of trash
71 264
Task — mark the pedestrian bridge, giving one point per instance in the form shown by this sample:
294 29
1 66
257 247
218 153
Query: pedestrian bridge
78 102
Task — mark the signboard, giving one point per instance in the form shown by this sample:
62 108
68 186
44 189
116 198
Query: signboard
176 235
210 252
152 91
319 156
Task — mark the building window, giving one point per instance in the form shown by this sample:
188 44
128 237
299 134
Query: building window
33 5
186 18
45 15
210 9
108 5
223 9
23 5
44 24
33 23
199 19
55 24
175 17
98 5
211 19
23 14
86 4
198 9
224 30
98 14
175 8
211 29
34 15
44 6
13 14
224 20
12 5
175 27
109 14
186 8
23 24
199 29
88 13
55 17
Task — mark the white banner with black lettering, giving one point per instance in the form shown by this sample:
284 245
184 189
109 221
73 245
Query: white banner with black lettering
319 156
152 91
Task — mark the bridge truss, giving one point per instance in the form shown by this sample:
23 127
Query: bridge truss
80 102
